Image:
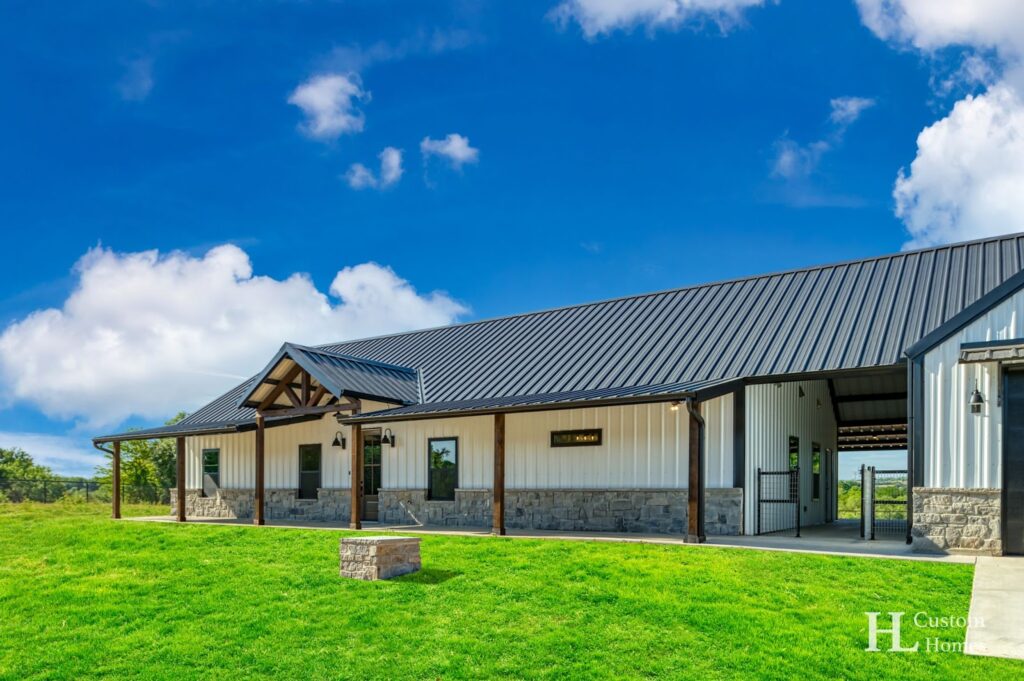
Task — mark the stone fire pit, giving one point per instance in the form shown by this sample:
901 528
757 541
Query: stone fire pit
372 558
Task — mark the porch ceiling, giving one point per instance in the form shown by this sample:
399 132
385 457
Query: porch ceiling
871 410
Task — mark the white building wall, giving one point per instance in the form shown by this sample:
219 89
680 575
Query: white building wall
963 449
774 412
644 446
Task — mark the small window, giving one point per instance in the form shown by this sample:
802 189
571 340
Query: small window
442 468
211 470
590 437
815 471
794 452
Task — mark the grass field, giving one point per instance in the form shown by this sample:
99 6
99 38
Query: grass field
82 596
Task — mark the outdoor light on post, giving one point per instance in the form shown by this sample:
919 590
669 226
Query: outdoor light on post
388 438
977 400
339 440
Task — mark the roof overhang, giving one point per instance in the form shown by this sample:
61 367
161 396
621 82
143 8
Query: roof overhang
300 378
185 430
700 391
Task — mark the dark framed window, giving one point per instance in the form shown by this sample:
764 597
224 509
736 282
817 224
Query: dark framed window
442 468
794 452
309 471
589 437
815 471
211 470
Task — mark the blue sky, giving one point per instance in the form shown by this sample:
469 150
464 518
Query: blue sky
642 154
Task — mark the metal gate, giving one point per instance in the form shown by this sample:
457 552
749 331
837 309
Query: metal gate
885 503
778 501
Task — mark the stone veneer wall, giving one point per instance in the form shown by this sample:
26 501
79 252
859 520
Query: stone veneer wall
281 504
471 508
637 510
957 520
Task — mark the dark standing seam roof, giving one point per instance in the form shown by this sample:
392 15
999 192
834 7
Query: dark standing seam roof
345 375
850 315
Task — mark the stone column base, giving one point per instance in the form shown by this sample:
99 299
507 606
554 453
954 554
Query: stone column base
951 520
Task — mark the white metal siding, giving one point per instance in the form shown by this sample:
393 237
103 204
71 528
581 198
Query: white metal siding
718 441
774 412
644 446
962 449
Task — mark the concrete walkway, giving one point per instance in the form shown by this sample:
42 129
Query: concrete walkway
836 539
996 626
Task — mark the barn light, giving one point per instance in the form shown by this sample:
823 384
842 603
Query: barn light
388 438
674 405
977 400
339 440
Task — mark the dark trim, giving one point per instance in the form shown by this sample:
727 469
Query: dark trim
739 437
484 410
695 482
199 430
984 345
457 457
825 375
832 398
967 315
1004 379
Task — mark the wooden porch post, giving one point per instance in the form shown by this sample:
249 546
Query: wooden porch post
695 486
498 524
181 480
116 484
357 467
258 506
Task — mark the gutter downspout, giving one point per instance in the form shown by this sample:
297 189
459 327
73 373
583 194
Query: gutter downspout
695 505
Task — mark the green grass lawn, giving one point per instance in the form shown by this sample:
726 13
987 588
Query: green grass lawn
83 596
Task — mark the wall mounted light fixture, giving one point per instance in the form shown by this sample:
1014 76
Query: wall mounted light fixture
339 440
977 401
674 405
388 438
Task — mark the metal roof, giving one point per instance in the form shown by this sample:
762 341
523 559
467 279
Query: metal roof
341 375
845 316
598 397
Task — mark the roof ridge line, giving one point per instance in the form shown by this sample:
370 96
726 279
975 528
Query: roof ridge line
692 287
352 358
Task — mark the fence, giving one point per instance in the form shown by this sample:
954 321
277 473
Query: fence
778 501
49 490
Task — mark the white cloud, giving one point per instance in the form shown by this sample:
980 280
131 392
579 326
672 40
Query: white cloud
63 454
965 180
390 166
794 160
329 102
361 177
597 17
929 25
137 81
846 110
147 334
454 147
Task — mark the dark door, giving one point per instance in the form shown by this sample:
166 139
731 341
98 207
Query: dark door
371 473
1013 463
309 471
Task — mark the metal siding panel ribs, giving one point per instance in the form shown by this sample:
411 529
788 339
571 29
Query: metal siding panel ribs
836 317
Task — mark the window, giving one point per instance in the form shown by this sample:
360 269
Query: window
211 470
815 471
309 471
794 452
576 438
442 468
